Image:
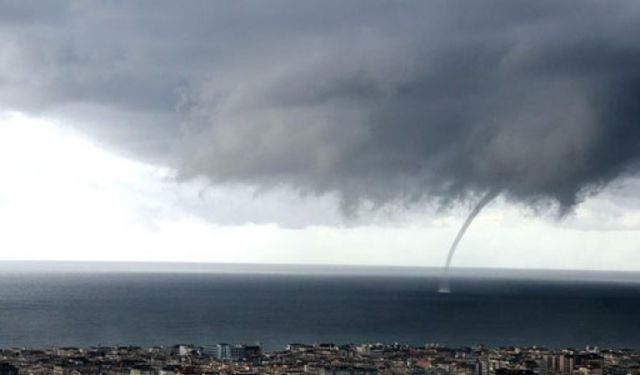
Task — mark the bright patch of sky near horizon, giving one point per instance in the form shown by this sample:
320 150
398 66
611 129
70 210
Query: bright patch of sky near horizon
62 197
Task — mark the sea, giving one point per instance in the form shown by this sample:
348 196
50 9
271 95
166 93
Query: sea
44 305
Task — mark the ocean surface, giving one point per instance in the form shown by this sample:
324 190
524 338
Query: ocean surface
41 309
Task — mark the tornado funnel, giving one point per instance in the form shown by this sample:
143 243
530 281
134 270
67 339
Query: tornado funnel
444 280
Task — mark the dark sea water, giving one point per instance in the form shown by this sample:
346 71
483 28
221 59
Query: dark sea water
83 309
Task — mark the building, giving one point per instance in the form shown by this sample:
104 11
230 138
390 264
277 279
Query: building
221 351
238 351
184 350
143 370
348 370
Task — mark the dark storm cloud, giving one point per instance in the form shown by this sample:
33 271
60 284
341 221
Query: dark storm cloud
384 102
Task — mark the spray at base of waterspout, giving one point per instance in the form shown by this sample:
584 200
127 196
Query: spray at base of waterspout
444 286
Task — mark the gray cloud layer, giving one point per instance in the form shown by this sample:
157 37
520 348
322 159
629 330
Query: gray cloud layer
380 101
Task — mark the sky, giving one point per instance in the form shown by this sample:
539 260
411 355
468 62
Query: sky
351 132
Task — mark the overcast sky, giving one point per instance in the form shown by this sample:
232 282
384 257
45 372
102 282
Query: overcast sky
329 132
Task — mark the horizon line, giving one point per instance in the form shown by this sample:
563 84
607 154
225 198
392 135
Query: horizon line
178 267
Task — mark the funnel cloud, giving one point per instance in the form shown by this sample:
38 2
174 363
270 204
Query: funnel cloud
472 215
444 282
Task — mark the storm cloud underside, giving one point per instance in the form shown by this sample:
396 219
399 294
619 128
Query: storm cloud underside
374 101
